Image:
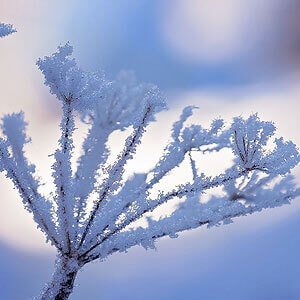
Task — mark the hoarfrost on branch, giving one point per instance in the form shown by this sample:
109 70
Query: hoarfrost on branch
94 209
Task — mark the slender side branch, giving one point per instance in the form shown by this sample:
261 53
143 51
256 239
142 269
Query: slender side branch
181 192
14 128
94 153
183 142
28 195
62 175
168 226
117 170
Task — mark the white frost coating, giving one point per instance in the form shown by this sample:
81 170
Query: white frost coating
6 29
83 231
119 108
62 174
185 140
33 202
195 214
250 138
66 80
14 128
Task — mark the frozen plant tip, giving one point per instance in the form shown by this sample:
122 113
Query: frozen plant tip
93 211
6 29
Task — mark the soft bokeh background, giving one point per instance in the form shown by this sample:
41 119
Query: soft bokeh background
229 57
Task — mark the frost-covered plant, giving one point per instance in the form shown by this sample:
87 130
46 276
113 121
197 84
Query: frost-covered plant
6 29
94 209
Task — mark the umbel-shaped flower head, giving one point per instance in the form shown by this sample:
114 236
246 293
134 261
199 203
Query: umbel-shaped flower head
68 82
250 138
121 102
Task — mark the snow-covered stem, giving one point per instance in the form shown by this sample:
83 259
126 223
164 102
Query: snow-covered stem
95 154
63 176
193 166
185 140
171 226
27 194
180 192
116 171
62 283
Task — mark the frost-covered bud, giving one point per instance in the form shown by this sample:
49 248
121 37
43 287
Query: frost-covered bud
153 100
196 136
154 97
68 82
216 126
14 127
6 29
178 125
282 159
122 102
250 137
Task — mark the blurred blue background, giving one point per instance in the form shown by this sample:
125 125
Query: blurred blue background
229 57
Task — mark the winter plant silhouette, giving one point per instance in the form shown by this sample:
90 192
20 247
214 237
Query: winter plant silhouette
92 212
